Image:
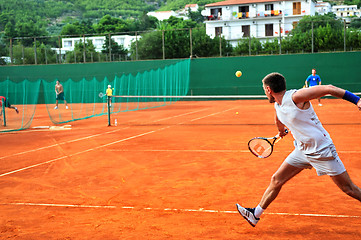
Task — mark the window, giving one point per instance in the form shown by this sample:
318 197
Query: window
243 9
268 7
269 29
218 31
296 8
294 24
216 12
98 42
246 30
68 44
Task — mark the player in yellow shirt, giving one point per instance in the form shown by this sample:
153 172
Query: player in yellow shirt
109 93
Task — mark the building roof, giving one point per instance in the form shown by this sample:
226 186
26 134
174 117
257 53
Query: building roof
237 2
191 5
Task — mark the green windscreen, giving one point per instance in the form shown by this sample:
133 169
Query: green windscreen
83 96
22 95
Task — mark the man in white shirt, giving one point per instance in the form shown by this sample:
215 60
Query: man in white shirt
313 145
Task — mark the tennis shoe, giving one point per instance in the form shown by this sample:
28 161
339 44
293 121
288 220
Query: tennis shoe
67 107
248 214
17 111
56 107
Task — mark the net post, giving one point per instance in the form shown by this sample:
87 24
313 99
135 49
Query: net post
108 103
3 111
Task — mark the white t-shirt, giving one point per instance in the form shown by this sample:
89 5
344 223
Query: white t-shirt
307 130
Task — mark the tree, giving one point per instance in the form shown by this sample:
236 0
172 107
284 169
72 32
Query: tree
117 50
244 45
78 28
77 55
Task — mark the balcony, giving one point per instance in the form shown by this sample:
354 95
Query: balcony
269 13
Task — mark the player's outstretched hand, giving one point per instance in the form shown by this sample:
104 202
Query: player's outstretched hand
359 105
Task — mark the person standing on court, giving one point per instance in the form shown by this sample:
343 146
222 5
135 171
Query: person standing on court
59 90
313 144
109 93
313 80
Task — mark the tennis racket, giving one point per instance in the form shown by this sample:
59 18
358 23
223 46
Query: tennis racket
263 147
101 95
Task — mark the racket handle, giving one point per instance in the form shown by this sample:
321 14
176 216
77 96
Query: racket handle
278 135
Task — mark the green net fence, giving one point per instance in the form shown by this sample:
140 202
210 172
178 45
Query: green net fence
172 80
24 96
83 96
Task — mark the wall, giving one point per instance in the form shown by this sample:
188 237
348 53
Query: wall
210 76
217 75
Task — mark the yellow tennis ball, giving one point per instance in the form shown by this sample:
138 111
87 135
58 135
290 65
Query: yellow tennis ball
238 73
236 112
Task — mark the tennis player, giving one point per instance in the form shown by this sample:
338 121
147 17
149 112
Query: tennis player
59 90
313 145
313 80
109 93
6 104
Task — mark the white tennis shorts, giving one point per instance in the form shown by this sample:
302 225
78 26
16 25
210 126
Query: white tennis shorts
326 161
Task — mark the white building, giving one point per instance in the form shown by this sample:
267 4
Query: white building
68 44
263 19
346 12
323 8
162 15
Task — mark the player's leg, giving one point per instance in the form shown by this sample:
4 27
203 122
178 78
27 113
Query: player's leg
66 104
282 175
344 182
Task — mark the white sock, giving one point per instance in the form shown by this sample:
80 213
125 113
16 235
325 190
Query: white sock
258 211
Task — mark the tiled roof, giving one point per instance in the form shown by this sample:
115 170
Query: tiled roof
237 2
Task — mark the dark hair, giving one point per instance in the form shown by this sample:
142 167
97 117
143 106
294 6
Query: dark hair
275 81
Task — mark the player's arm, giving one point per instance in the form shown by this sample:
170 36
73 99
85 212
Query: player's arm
307 94
281 127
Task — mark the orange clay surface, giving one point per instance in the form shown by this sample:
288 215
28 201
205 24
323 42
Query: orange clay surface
174 172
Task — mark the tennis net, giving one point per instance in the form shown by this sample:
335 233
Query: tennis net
172 106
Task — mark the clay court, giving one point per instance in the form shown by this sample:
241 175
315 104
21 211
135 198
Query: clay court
174 172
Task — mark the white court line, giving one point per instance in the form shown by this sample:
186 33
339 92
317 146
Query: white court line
101 146
200 210
177 150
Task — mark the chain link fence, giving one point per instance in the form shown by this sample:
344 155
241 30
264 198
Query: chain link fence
175 43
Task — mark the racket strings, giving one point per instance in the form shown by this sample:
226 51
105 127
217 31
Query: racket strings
260 147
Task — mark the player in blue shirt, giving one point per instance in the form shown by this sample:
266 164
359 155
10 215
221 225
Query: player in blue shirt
313 80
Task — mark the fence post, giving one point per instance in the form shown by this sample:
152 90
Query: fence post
23 53
220 45
190 42
110 48
35 54
280 38
344 35
312 43
46 57
136 45
59 49
163 47
249 45
84 51
11 51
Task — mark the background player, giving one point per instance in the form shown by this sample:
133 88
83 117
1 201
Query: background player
313 145
313 80
109 93
59 90
7 104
